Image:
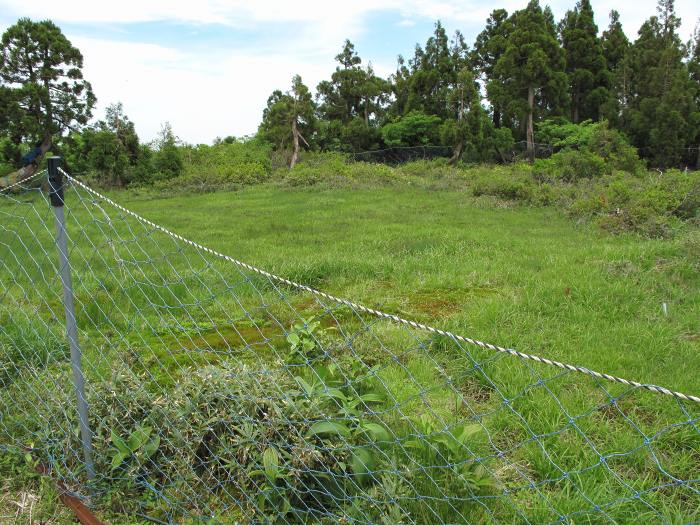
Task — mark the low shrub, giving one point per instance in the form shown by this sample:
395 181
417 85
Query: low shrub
227 164
505 184
301 445
335 169
653 204
569 165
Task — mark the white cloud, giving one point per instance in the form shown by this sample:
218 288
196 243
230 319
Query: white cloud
202 97
223 91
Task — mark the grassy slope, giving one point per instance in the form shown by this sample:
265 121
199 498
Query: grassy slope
521 277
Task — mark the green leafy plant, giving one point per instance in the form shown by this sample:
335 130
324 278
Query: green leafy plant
305 344
448 447
134 450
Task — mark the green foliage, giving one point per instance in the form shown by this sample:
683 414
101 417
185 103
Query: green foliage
167 159
426 85
662 112
351 104
530 72
652 208
42 74
506 185
212 429
449 448
136 449
489 47
585 62
335 169
305 345
289 120
570 165
227 164
413 129
587 150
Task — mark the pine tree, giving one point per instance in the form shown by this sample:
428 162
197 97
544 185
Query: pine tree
534 63
616 50
585 62
44 93
489 47
425 84
661 112
351 103
289 118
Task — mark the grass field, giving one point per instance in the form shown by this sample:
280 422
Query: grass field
522 277
526 278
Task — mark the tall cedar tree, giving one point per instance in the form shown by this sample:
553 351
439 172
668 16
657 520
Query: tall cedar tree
468 126
426 83
616 50
585 63
351 102
533 63
662 110
694 71
289 118
42 74
489 47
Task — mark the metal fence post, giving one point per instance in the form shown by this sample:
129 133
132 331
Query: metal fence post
57 201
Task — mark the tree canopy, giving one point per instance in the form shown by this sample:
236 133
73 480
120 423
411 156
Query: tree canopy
41 73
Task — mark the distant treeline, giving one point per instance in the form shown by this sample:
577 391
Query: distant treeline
531 69
527 79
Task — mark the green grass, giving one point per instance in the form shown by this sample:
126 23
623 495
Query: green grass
526 278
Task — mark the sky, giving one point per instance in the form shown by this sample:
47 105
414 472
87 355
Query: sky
207 67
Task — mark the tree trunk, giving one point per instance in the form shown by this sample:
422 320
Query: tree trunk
496 117
457 154
530 125
367 113
500 154
295 138
26 171
575 103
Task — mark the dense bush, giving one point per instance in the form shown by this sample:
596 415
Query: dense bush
335 168
569 165
653 206
413 129
224 165
304 440
587 150
504 183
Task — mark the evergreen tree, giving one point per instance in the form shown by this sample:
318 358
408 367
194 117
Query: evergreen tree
662 111
585 63
109 149
351 103
42 74
532 67
489 47
469 128
616 50
340 98
426 82
289 118
694 72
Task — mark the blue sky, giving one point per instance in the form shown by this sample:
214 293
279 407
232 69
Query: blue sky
208 67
